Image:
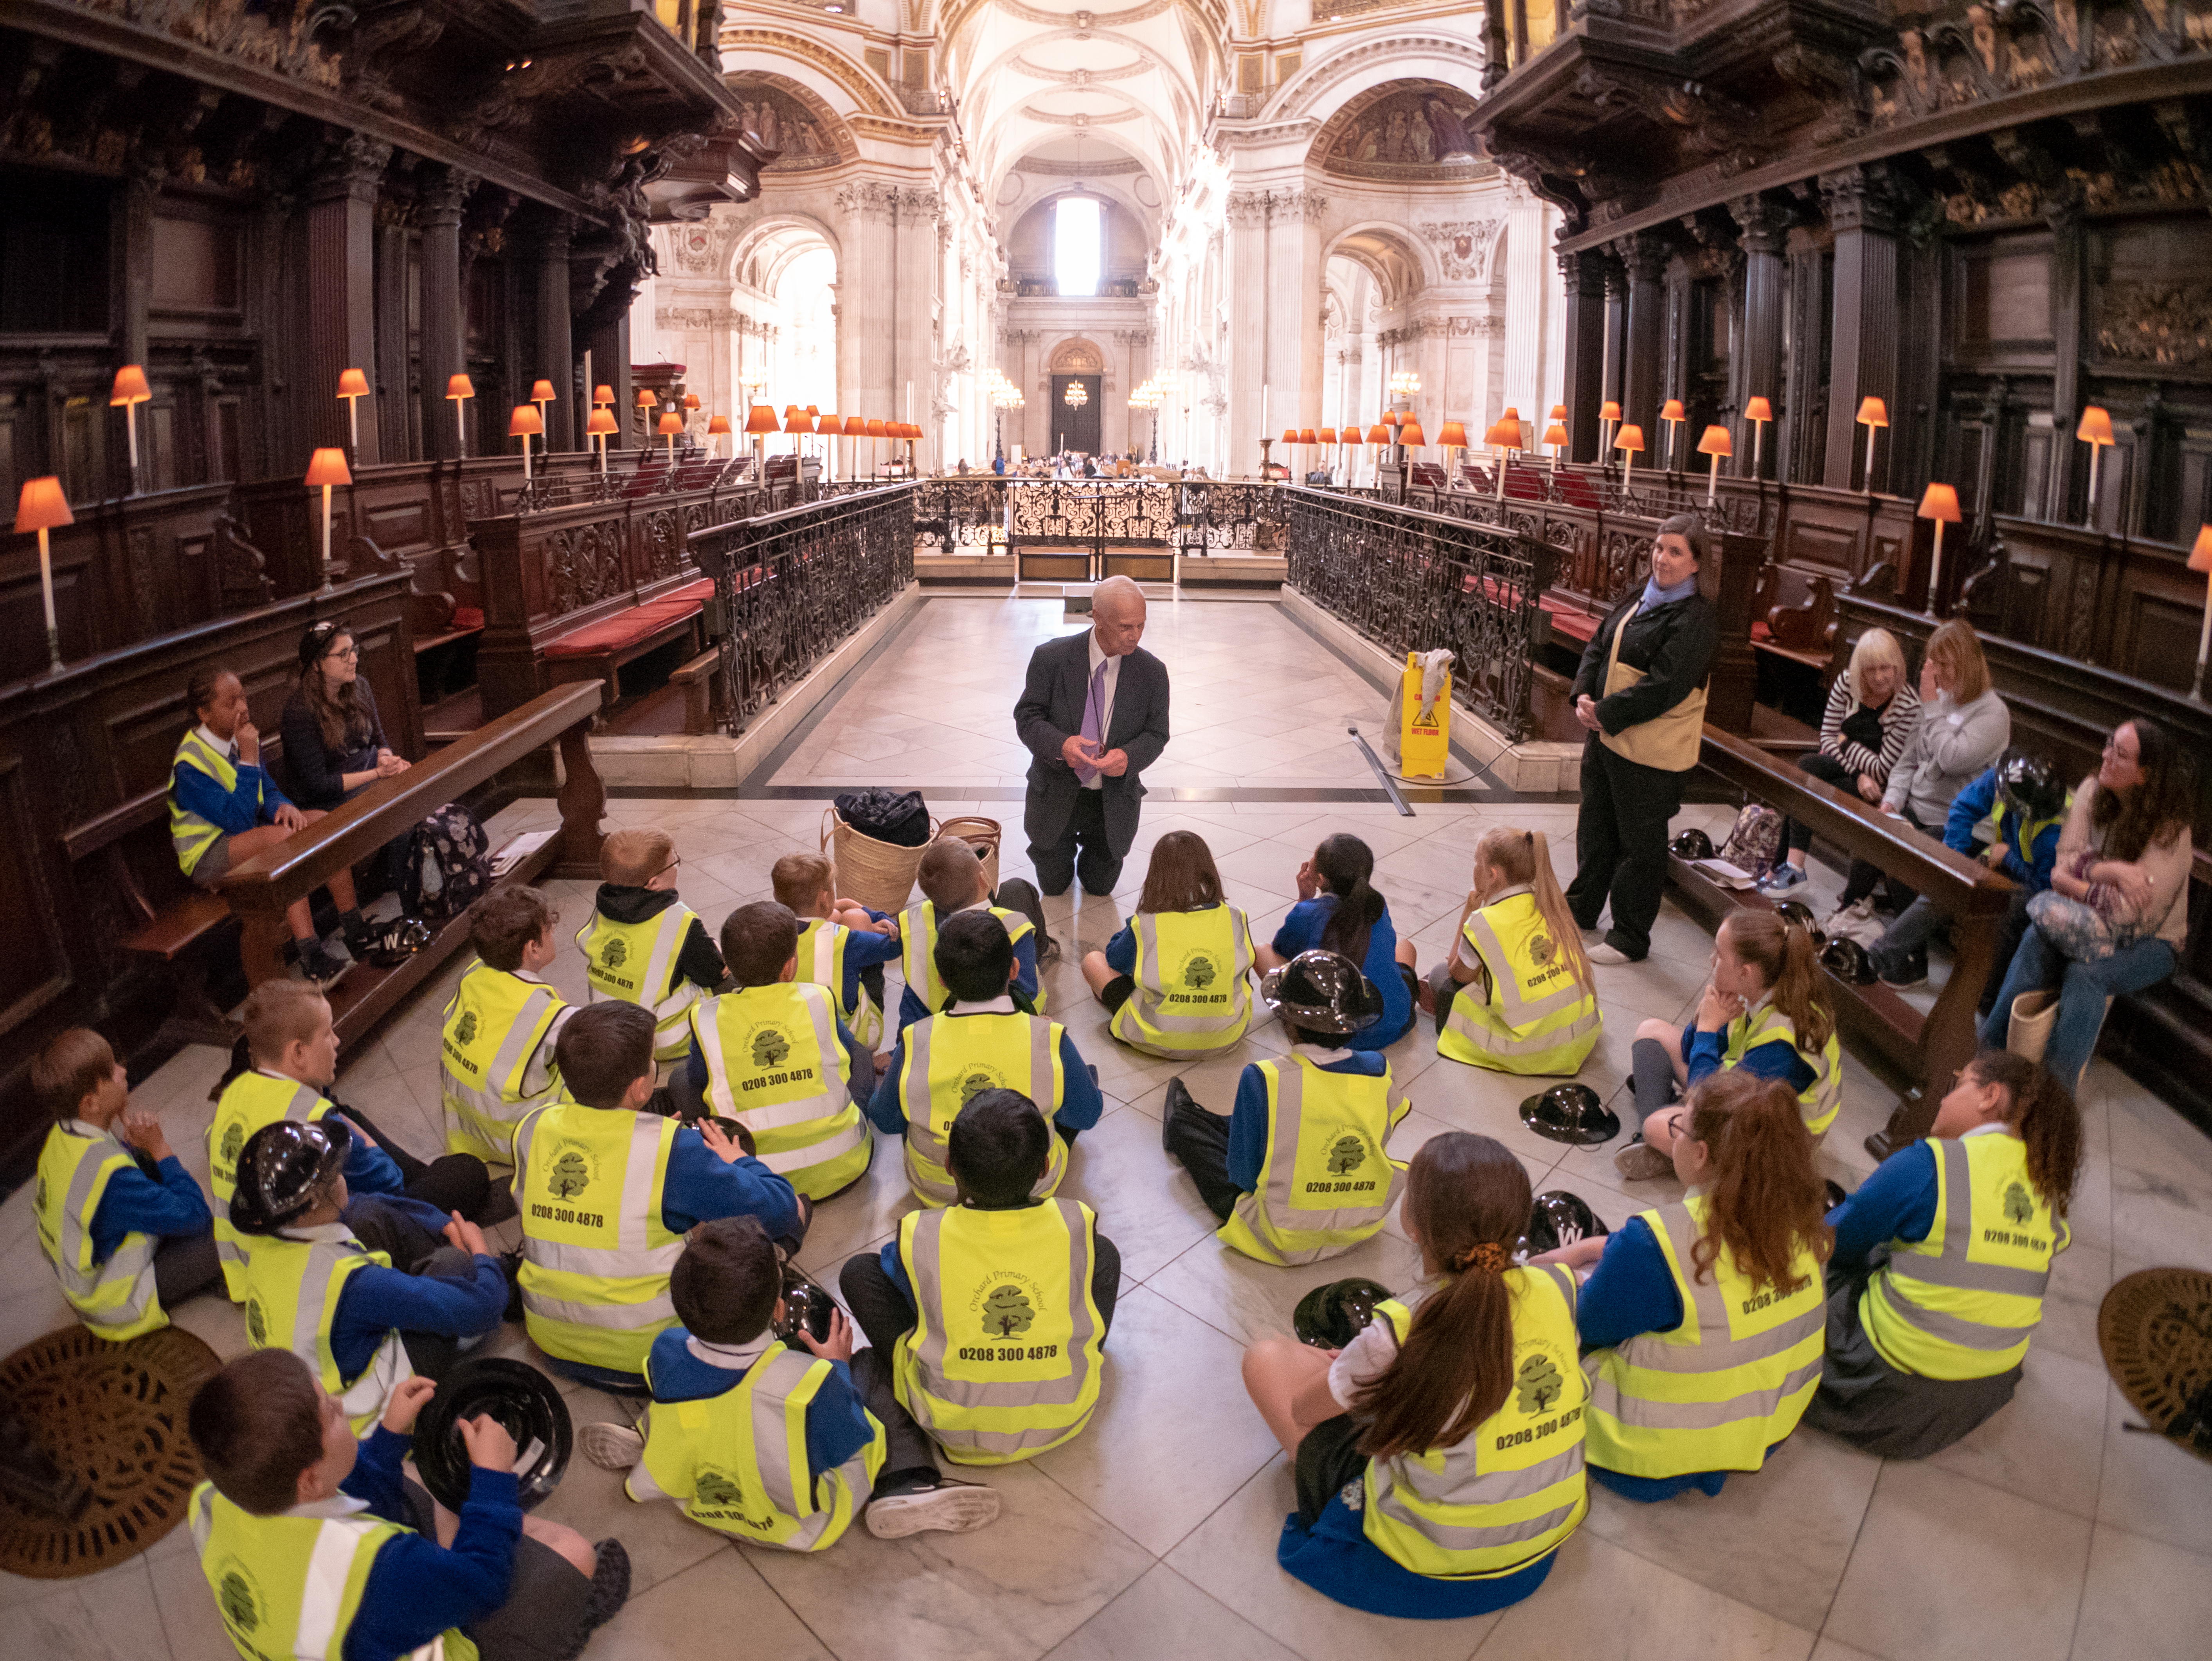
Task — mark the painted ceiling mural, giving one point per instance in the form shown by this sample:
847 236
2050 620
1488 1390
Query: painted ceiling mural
1413 134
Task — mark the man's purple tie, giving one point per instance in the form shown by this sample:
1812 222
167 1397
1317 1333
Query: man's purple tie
1094 721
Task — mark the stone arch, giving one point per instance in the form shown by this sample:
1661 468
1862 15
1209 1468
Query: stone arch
868 95
834 143
775 240
1078 355
1319 90
1410 130
1400 266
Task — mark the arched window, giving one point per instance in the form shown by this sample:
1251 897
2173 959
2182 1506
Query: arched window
1077 245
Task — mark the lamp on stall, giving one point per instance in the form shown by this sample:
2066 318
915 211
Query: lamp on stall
327 468
1628 441
1452 436
795 422
1672 414
2096 432
1873 413
1716 443
829 427
353 386
1326 437
1941 504
1504 435
458 391
670 424
692 400
526 422
600 424
602 394
647 398
1758 412
1377 436
130 391
1609 414
1311 439
2200 559
1556 436
874 430
43 508
760 421
716 426
541 394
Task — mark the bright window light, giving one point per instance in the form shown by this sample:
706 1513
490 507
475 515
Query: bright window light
1075 235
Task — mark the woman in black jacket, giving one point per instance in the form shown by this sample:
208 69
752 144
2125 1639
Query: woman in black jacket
1641 693
334 741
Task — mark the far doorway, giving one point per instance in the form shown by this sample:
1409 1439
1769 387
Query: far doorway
1076 427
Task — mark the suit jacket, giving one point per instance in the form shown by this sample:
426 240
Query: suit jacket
1051 711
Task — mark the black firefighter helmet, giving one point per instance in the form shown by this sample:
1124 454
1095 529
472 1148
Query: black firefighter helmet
1570 1113
1558 1219
1322 991
1797 912
1331 1316
519 1396
1691 845
2030 786
282 1168
1847 960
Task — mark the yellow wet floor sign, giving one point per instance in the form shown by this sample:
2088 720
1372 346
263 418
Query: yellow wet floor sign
1424 729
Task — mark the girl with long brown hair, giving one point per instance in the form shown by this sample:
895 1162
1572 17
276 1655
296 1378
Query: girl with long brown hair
1457 1412
1708 1313
1515 993
1759 1013
1941 1260
1177 978
1340 910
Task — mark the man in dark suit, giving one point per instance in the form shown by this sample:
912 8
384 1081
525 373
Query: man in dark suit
1095 714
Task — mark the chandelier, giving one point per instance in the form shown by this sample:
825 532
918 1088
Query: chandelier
1075 397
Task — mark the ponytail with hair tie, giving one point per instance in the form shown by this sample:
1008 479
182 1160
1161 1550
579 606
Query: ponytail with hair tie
1489 1257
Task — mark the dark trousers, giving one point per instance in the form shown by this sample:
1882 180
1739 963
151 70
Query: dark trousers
414 1250
1828 771
547 1599
907 1451
1059 862
1870 1404
1620 845
882 1309
2010 933
451 1182
1020 894
184 1264
1651 1077
1200 1140
1866 876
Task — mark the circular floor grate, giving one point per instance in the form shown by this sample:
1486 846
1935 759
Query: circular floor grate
2155 1328
112 1414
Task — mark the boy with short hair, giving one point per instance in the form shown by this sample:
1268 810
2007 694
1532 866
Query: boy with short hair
773 1055
988 1036
121 1220
316 1545
995 1310
842 945
502 1025
607 1188
724 1379
643 945
952 881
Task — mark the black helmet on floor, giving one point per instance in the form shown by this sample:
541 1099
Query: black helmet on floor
2030 786
806 1307
1558 1219
1847 960
521 1398
1798 912
1572 1113
1332 1315
1691 845
282 1168
1322 991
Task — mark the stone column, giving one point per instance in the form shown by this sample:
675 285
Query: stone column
1863 339
395 408
1762 231
1584 275
555 347
1248 383
339 220
1645 256
1527 303
439 204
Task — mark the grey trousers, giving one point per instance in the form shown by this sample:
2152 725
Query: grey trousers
1873 1405
542 1618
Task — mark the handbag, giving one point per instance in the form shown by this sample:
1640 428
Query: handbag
2033 1015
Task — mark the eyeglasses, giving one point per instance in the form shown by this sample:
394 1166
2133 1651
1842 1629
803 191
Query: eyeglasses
671 865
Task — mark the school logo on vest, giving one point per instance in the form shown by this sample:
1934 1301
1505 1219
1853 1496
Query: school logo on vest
770 1047
712 1487
975 1082
39 1201
1347 1153
240 1609
572 1171
1199 972
257 1323
234 1142
2018 1207
616 954
1537 1385
1542 949
1007 1311
465 1033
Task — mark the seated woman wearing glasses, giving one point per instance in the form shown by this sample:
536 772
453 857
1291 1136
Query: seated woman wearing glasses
334 739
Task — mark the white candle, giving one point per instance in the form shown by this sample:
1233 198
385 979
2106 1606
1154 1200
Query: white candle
1265 429
1935 570
525 459
1713 485
54 633
460 427
353 423
326 536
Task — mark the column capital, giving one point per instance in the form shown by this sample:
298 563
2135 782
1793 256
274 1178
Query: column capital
443 195
1762 227
1864 198
350 166
1644 256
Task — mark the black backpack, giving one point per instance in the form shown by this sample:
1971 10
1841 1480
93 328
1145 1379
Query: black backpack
446 865
897 817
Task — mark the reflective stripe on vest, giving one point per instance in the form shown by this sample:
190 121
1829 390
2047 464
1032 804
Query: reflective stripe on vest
2021 841
250 1101
738 1461
918 951
822 961
189 834
1003 1360
292 1585
1537 1018
1192 993
635 963
1326 1183
595 1252
1729 1381
1819 1101
951 1058
115 1298
775 1065
1963 1303
292 1294
1513 1488
493 1027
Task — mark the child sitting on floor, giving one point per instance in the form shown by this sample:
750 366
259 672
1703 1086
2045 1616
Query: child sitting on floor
1339 911
1174 980
842 945
1515 993
643 945
952 880
502 1025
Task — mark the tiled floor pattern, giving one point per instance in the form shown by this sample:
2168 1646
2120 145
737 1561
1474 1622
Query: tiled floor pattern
2051 1531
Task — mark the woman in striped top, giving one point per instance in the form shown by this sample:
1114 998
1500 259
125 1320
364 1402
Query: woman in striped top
1872 710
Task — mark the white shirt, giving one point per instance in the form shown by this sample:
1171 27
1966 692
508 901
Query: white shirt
221 747
1002 1005
1105 700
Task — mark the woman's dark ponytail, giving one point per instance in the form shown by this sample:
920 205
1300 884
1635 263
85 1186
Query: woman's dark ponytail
1344 864
2044 1116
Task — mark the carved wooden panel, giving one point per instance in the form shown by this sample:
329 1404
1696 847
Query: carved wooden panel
34 970
197 267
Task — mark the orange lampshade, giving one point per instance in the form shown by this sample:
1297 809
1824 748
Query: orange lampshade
794 421
329 467
541 391
909 429
1629 438
1512 412
353 384
1558 413
876 429
1505 434
1451 433
1556 434
525 420
761 419
600 420
1610 412
42 507
1307 435
2200 557
2096 426
829 425
131 386
1412 434
1673 410
690 401
1759 410
814 409
717 425
1290 435
1873 412
1327 435
1715 443
457 386
1940 501
602 394
646 397
1378 434
671 423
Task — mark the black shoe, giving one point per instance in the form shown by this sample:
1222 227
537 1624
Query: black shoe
1047 949
358 932
610 1587
1906 972
510 1264
1178 1099
319 966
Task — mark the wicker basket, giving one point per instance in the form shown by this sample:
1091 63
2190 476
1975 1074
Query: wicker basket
983 836
878 874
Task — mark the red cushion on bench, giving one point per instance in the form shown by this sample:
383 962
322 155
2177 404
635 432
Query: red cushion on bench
625 629
468 617
701 591
1760 631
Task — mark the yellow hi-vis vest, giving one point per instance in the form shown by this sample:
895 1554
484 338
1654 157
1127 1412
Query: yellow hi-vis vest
822 962
2020 838
1537 1017
1513 1488
1819 1101
1326 1183
635 963
251 1101
292 1290
1670 740
918 952
951 1058
494 1025
291 1585
1003 1360
1963 1303
596 1253
1724 1385
775 1065
1193 994
737 1461
189 834
115 1298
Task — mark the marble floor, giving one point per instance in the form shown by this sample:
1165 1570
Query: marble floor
2052 1531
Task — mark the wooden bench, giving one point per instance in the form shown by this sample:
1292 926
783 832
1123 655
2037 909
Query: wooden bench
598 650
1794 616
705 703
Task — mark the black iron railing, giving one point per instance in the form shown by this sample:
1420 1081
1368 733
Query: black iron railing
1411 580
